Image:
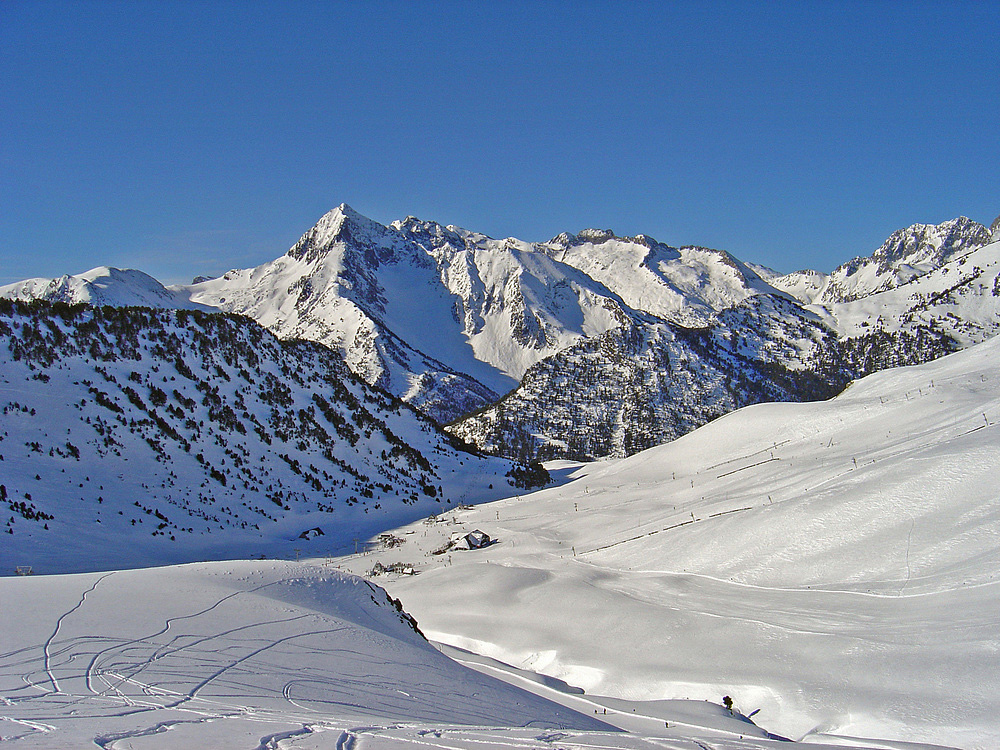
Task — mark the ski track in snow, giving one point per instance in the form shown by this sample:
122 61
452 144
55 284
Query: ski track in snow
93 668
46 648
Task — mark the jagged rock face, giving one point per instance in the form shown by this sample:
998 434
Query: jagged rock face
207 433
907 254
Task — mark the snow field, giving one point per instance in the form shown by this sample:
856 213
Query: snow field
831 564
229 655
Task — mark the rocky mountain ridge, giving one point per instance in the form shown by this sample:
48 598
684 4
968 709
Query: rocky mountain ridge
906 255
448 319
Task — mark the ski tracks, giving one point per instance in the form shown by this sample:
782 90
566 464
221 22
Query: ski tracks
47 648
93 669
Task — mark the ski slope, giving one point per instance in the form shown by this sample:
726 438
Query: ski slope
283 655
229 655
833 565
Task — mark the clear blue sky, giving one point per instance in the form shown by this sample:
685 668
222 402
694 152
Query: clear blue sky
192 137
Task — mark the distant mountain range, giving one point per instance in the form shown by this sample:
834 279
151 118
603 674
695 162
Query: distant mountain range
587 345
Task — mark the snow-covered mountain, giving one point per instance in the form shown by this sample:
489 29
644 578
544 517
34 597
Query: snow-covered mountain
960 297
198 436
831 567
907 254
101 286
448 320
645 383
363 290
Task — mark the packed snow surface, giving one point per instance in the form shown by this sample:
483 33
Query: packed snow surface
288 655
834 565
231 654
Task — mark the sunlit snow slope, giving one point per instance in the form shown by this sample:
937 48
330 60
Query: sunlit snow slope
231 655
835 565
101 286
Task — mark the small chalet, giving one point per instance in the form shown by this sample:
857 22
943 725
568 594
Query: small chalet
477 539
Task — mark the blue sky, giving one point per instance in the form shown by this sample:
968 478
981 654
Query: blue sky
192 137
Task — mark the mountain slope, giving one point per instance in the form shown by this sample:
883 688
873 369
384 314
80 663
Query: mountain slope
330 288
833 564
101 286
643 384
907 254
237 654
201 435
961 297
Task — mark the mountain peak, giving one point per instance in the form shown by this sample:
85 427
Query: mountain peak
934 243
341 224
333 220
599 236
585 236
347 212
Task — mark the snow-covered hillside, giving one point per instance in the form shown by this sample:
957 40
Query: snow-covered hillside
199 436
235 655
835 565
686 285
